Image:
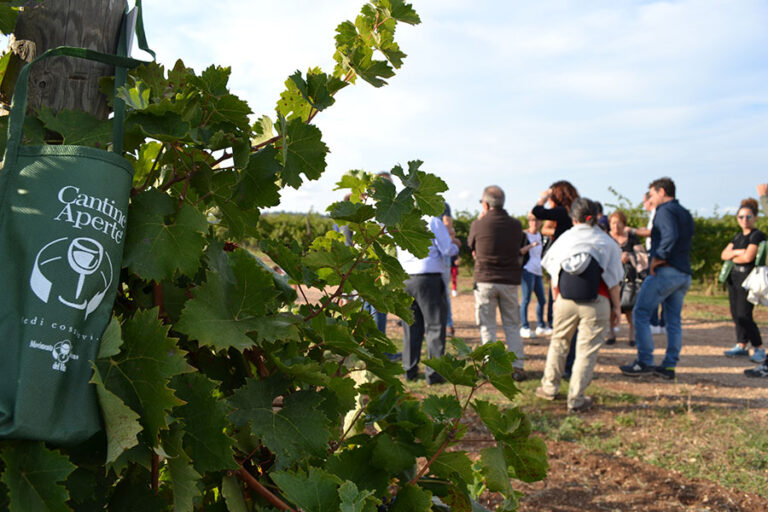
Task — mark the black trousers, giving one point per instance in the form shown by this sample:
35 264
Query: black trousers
741 311
429 316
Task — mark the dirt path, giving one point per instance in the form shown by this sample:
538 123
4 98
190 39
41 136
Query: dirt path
580 480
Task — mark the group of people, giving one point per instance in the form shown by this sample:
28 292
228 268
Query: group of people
599 270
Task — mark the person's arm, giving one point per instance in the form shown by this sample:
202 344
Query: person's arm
665 222
739 256
615 293
762 191
548 228
443 240
638 231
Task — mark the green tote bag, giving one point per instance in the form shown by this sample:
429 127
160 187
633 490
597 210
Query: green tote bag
63 212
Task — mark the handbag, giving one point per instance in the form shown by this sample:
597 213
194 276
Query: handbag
63 213
629 290
725 271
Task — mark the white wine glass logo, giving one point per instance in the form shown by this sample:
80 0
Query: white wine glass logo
84 256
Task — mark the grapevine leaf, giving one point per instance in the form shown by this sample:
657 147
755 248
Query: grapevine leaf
304 152
392 456
167 127
264 130
222 313
403 12
371 70
528 456
32 475
205 419
498 367
132 493
77 127
295 431
391 206
442 408
184 478
137 96
111 340
449 465
292 104
232 490
213 80
231 109
256 185
427 194
156 247
361 466
412 499
412 235
120 421
140 373
8 15
493 467
351 212
455 371
143 166
353 500
240 221
316 491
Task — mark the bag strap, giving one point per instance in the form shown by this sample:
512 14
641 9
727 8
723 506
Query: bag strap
760 258
19 101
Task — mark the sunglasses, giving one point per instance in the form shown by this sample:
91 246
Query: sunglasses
748 217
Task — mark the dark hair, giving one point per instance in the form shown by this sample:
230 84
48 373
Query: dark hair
664 183
750 204
619 215
563 193
584 211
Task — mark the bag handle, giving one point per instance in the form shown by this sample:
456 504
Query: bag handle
19 101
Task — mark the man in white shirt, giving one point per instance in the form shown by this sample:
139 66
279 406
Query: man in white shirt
426 286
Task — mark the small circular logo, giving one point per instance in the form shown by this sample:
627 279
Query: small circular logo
62 351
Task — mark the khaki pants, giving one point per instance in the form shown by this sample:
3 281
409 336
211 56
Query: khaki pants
592 319
489 296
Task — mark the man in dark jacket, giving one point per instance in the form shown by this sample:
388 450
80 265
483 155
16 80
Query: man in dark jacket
670 278
495 240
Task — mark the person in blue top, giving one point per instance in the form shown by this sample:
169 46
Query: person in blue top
668 282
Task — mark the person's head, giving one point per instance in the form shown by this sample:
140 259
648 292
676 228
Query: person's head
385 175
617 221
647 203
747 214
493 197
583 211
661 191
533 223
563 193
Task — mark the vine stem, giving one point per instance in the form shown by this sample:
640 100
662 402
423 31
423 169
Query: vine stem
262 491
349 428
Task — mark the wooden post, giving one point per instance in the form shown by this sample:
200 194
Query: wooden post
65 82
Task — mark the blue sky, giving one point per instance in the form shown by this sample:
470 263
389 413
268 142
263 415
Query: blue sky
515 93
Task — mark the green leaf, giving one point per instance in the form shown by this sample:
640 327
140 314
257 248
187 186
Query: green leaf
161 239
351 212
111 340
8 15
391 455
497 366
241 222
222 313
230 109
454 370
316 491
360 465
137 96
77 127
391 206
353 500
293 432
372 71
412 235
412 499
292 104
528 456
32 475
442 408
256 185
140 373
427 194
145 164
450 465
120 421
403 12
6 58
165 127
304 152
232 490
493 467
264 130
183 477
205 420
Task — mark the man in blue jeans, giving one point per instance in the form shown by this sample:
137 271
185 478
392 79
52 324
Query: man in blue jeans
667 284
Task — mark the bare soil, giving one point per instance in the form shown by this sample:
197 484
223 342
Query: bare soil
583 480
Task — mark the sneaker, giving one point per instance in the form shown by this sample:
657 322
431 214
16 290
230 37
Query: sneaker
610 341
518 374
636 369
758 356
757 371
454 293
543 395
616 329
585 405
450 331
632 343
525 332
665 373
736 351
543 331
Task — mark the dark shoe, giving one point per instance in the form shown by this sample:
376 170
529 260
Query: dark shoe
585 406
543 395
736 351
757 371
435 379
450 331
610 341
636 369
665 373
632 343
518 374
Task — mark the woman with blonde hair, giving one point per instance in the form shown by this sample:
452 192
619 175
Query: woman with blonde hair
742 251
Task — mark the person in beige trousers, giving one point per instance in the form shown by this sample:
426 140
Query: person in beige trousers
586 270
